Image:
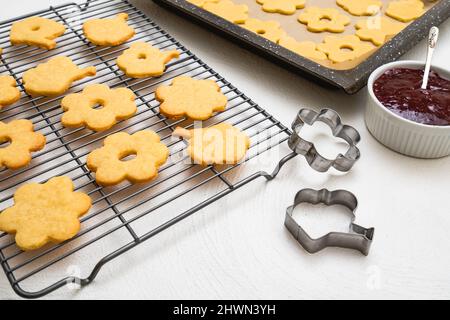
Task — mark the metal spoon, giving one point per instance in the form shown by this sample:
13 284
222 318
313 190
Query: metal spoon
432 39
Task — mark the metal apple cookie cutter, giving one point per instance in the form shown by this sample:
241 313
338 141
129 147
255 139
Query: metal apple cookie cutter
333 120
358 238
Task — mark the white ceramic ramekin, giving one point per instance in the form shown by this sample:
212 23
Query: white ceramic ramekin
402 135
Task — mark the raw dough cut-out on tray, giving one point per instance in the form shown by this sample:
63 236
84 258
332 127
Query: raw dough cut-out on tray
378 29
219 144
200 3
307 49
235 13
114 105
143 60
9 93
185 96
108 31
344 48
405 10
270 30
286 7
43 213
361 7
36 31
111 166
22 141
54 77
324 19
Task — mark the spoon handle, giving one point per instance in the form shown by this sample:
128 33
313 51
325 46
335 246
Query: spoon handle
432 39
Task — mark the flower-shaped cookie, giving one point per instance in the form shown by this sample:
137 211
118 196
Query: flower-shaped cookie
346 48
22 141
36 31
378 29
45 213
405 10
197 99
236 13
54 77
307 49
110 163
287 7
270 30
108 31
324 19
219 144
361 7
9 93
142 60
115 104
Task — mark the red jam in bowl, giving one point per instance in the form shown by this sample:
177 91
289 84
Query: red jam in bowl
399 91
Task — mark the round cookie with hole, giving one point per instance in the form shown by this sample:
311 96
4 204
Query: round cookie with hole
36 31
98 107
143 60
17 141
134 157
324 19
270 30
344 48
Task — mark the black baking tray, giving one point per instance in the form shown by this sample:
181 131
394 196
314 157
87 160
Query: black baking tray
350 80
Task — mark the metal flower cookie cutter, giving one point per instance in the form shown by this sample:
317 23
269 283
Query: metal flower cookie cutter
358 238
342 162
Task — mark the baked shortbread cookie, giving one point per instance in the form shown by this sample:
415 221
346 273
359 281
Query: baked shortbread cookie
143 60
108 31
36 31
54 77
219 144
22 141
9 93
111 166
80 108
44 213
185 96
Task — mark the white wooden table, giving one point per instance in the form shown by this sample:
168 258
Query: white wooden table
238 248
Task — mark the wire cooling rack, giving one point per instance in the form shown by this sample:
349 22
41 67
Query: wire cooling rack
125 215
